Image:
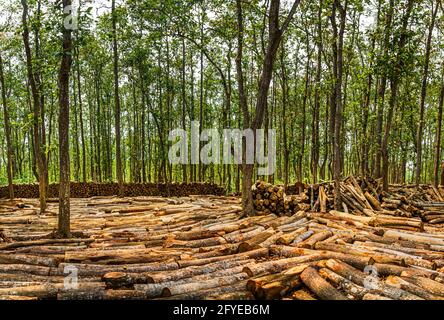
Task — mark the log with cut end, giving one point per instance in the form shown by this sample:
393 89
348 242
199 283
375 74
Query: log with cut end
320 286
317 237
399 282
253 254
348 286
275 266
254 243
201 294
158 277
278 288
429 285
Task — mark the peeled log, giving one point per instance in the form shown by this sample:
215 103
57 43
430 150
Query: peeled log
24 269
258 253
302 294
372 296
238 295
275 266
29 260
202 285
413 237
341 282
278 288
254 242
188 272
432 286
319 286
310 242
19 244
201 294
407 286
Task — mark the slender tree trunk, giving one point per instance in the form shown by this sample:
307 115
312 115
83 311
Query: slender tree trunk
394 86
419 134
275 37
10 152
338 56
438 136
284 119
82 129
184 103
64 191
317 101
119 170
38 148
382 89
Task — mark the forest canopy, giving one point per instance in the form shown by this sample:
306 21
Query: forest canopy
362 80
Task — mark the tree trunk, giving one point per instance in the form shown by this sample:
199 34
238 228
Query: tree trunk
64 192
394 85
275 37
338 56
10 152
381 91
82 130
317 102
438 135
184 105
119 170
419 134
38 148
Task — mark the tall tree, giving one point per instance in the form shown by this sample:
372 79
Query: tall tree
117 111
438 135
338 62
39 152
64 73
274 39
395 78
6 122
425 76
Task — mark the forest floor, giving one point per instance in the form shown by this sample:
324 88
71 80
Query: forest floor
198 247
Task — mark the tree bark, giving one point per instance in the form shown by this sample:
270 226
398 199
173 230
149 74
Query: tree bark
317 101
64 191
419 134
32 76
394 85
338 67
438 135
119 170
275 37
10 152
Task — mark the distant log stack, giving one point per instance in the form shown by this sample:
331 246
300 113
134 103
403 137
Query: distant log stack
87 190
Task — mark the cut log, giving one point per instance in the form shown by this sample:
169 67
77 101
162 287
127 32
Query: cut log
319 286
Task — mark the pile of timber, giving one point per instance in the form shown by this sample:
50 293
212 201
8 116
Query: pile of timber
87 190
198 247
296 188
365 197
270 198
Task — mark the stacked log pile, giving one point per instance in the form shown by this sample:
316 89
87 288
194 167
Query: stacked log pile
365 197
198 247
270 198
87 190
